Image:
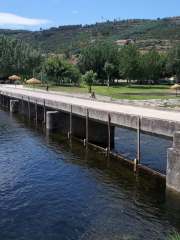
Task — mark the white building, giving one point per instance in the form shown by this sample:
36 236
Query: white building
124 42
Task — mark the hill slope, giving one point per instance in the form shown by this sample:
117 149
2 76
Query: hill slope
71 39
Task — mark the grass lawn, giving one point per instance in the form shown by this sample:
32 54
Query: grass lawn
118 90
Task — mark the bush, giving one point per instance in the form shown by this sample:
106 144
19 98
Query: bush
7 81
17 82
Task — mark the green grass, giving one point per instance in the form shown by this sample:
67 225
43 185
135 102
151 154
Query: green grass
119 90
175 237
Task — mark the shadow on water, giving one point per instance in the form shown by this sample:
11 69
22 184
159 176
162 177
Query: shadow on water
77 192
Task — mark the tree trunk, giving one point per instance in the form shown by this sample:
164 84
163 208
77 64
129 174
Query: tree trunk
89 89
108 83
177 76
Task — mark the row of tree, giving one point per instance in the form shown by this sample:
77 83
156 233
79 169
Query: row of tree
126 62
105 60
17 57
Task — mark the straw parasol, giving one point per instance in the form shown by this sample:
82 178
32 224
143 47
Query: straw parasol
14 77
176 86
33 81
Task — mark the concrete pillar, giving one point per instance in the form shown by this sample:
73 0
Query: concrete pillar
52 120
98 134
173 164
14 105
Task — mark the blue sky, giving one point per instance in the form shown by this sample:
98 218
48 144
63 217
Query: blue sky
34 14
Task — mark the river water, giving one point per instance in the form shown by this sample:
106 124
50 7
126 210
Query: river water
53 189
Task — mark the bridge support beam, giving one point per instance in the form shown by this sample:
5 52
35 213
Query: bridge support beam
173 164
52 120
14 105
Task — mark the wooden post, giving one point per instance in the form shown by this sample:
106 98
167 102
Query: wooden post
70 131
29 108
135 164
3 99
138 140
22 107
44 111
36 109
6 99
87 124
109 132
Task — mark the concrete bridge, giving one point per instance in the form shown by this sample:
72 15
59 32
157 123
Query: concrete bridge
95 120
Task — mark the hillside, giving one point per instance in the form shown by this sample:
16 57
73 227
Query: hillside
71 39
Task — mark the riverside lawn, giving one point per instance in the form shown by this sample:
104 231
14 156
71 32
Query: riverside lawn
118 90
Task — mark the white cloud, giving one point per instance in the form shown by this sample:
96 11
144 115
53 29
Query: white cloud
8 18
74 12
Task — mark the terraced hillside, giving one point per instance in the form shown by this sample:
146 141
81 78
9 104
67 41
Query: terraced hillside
71 39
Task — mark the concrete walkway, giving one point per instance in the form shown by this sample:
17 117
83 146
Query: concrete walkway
101 103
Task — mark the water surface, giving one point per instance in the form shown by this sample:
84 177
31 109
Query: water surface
51 188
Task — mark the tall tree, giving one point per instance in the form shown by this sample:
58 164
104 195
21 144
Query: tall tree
152 65
129 62
17 57
173 60
109 69
94 58
55 67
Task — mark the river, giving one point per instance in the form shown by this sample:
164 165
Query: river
53 189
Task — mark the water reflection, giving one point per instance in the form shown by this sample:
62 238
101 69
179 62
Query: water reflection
51 188
153 149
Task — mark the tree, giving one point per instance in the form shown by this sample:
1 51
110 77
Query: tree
74 74
89 78
152 64
109 69
95 57
129 62
17 57
55 67
173 61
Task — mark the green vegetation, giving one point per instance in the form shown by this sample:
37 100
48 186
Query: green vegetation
107 61
175 237
117 90
89 78
17 57
72 39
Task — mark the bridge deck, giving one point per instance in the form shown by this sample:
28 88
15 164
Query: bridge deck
118 111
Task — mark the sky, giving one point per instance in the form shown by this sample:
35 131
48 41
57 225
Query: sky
35 14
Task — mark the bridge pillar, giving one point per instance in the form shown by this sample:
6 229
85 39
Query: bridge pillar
14 105
98 134
173 164
52 120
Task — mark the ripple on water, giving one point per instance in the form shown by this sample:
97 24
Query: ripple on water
53 189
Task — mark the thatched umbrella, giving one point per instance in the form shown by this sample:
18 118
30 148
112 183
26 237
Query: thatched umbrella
14 77
176 86
33 81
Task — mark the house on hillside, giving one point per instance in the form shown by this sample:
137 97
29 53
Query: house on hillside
124 42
